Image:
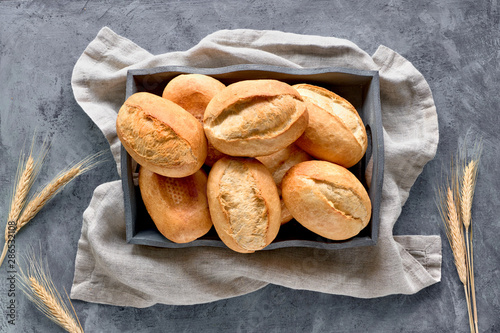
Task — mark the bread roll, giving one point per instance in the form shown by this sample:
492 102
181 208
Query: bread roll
327 199
278 164
335 131
177 206
193 92
161 136
255 118
244 203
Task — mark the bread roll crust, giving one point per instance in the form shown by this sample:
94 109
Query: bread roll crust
335 131
244 203
177 206
255 118
161 136
327 199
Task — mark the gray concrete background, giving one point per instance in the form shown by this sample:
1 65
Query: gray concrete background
455 44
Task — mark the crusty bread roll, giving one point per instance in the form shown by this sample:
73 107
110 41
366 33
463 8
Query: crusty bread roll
161 136
255 118
278 164
327 199
177 206
193 92
335 131
244 203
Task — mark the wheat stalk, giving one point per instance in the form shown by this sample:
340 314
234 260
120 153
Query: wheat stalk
39 288
471 279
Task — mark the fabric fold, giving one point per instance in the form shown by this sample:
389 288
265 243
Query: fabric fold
110 271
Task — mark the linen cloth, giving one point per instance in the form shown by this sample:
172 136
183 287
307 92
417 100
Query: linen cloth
110 271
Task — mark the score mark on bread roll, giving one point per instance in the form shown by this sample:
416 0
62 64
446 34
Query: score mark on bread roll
327 199
177 206
244 204
335 131
193 92
255 118
161 136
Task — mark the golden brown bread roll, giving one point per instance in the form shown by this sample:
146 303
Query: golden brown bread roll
335 131
278 164
161 136
244 203
255 118
177 206
193 92
327 199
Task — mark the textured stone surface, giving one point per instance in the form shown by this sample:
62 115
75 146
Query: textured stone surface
453 43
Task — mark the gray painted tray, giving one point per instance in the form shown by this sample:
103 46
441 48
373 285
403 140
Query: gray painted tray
361 88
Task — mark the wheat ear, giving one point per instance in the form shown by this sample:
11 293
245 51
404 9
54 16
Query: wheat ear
39 288
41 198
23 182
455 235
466 195
23 185
468 185
467 192
449 210
47 193
25 179
27 171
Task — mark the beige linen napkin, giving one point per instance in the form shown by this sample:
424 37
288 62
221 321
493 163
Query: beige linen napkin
110 271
